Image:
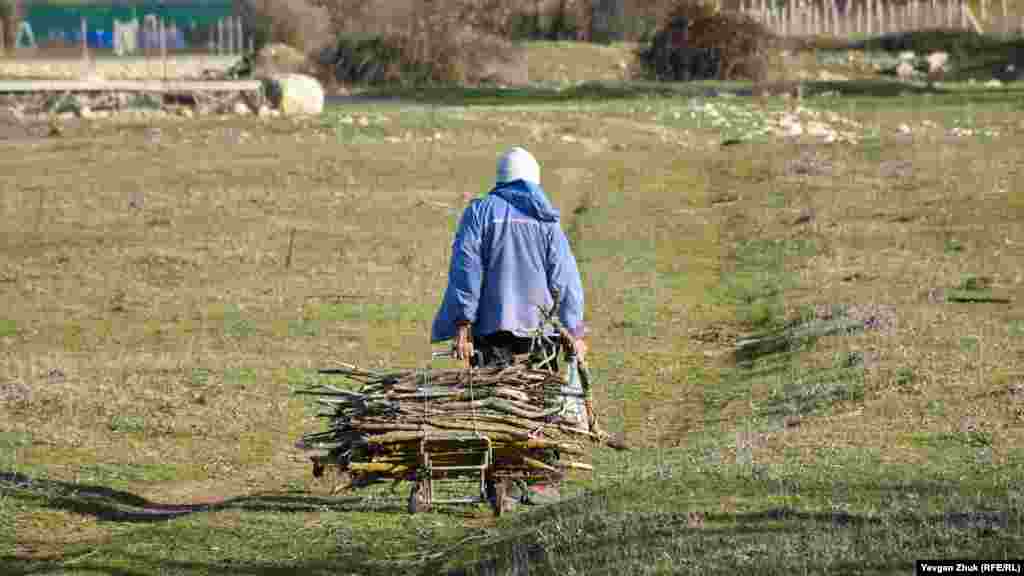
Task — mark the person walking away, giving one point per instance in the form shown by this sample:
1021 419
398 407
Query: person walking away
509 256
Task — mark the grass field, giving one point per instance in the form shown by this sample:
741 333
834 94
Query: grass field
165 287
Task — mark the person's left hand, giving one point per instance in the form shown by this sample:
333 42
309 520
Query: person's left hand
463 344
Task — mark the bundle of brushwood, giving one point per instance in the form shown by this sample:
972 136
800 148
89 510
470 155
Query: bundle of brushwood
376 429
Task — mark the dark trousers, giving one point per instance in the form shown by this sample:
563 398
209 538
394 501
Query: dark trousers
498 348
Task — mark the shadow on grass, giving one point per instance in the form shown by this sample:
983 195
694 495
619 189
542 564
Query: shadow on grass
586 536
147 566
627 527
107 504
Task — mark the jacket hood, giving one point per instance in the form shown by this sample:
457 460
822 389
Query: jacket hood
528 198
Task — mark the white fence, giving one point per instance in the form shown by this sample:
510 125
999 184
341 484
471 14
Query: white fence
880 17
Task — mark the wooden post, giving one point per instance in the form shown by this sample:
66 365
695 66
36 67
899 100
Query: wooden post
163 45
85 40
834 8
240 34
229 35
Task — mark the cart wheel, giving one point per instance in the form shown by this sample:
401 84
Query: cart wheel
419 497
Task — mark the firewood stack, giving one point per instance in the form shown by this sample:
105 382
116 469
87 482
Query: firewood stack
375 431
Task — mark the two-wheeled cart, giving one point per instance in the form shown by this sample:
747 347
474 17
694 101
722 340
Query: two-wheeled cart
457 457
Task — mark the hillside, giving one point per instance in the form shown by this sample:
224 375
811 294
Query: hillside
805 318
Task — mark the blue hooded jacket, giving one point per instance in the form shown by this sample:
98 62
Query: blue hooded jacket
509 255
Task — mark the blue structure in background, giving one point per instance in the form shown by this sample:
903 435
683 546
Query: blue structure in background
56 22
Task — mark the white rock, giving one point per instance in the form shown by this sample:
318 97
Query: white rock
241 109
263 111
993 83
905 71
296 94
903 129
937 61
86 113
907 55
186 112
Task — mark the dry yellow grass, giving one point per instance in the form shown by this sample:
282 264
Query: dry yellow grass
154 314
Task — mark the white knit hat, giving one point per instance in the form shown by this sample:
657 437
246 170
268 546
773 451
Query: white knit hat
518 164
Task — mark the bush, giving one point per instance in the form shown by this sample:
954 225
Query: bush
697 42
297 23
368 59
464 56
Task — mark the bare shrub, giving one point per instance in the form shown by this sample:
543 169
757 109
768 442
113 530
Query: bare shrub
459 41
697 41
300 24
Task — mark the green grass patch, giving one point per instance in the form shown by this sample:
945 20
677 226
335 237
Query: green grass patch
948 440
236 324
8 328
127 424
10 443
304 328
1016 328
123 475
240 377
373 312
760 271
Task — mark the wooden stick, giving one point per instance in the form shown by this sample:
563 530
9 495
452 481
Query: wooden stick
291 249
85 40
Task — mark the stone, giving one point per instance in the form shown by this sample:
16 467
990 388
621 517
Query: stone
905 71
296 94
186 112
263 111
240 109
993 83
907 55
937 62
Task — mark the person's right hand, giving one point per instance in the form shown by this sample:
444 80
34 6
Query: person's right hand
580 346
463 344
